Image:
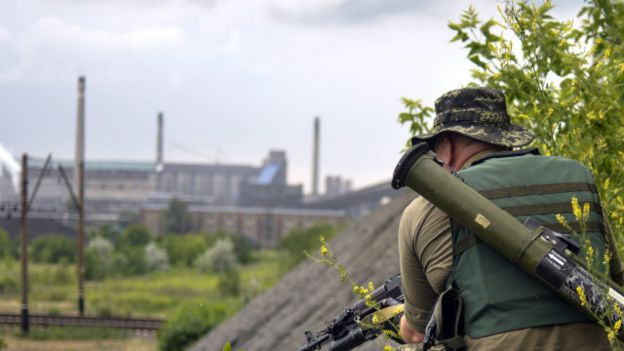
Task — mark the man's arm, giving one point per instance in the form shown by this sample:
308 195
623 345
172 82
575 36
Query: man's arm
426 259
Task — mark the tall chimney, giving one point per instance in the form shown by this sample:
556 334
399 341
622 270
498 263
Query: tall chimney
159 143
315 156
79 183
80 126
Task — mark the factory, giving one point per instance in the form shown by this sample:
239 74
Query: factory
253 200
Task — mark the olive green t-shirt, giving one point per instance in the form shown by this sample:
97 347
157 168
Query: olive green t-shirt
425 248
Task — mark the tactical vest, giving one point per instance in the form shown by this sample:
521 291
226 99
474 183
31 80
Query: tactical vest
497 296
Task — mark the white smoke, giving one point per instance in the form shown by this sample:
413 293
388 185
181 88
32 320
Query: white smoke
8 163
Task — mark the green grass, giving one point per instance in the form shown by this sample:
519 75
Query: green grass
53 289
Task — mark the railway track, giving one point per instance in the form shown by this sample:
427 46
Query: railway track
136 324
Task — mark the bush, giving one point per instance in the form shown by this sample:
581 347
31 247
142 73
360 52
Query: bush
183 249
229 283
135 236
5 245
156 258
53 248
176 218
298 241
220 258
99 259
8 285
189 323
134 262
243 246
106 231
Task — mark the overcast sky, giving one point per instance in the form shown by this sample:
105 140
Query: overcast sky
234 78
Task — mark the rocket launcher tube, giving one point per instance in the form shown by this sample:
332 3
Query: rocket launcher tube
536 253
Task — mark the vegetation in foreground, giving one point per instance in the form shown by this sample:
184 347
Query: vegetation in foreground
193 280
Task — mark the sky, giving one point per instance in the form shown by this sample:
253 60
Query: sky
234 78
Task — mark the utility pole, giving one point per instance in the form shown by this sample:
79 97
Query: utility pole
79 181
24 320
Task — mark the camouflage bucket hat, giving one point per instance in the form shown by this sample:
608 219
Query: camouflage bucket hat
479 113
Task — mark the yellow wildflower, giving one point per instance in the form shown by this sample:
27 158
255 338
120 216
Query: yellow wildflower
371 287
617 325
611 335
590 253
576 208
324 250
375 319
581 295
585 212
563 221
606 259
617 310
387 348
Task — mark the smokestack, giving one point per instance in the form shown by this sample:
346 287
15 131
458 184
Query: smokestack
315 161
159 143
79 183
80 125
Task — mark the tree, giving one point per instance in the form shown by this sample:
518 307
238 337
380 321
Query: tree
156 258
183 249
220 258
564 82
99 256
135 236
176 218
53 248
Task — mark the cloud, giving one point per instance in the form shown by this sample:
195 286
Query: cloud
343 11
4 34
51 48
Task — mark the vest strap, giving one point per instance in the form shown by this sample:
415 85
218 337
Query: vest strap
464 244
529 210
576 226
471 240
539 189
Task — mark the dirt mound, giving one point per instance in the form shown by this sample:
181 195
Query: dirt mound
310 295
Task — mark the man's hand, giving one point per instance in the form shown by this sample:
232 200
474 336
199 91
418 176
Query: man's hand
408 334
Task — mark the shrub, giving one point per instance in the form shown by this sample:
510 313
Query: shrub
8 285
135 236
188 323
156 258
176 218
229 283
99 259
5 244
243 246
183 249
220 258
134 263
298 241
53 248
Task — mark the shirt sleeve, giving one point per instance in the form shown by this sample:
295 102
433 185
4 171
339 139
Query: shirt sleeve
425 249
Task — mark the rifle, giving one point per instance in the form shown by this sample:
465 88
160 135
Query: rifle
354 325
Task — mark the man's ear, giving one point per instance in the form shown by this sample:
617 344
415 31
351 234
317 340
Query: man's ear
444 150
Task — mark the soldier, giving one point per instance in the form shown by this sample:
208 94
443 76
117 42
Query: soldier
504 308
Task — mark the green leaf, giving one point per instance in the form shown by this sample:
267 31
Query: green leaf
227 347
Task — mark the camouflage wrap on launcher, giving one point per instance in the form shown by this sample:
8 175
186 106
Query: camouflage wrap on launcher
479 113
